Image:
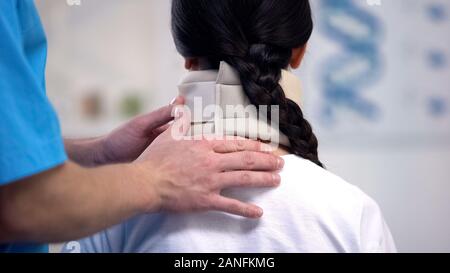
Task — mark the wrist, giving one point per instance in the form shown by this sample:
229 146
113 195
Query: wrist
145 177
94 150
86 152
98 148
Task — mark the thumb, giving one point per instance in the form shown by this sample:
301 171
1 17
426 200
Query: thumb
162 116
182 124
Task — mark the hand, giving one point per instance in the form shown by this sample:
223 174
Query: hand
189 175
127 142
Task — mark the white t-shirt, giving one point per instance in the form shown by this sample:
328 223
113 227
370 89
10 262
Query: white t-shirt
311 211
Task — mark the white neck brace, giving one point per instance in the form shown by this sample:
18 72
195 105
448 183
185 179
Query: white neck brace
206 90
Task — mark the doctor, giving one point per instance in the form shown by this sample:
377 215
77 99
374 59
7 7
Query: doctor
58 190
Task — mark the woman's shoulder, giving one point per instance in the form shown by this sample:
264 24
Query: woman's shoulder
336 213
321 190
310 176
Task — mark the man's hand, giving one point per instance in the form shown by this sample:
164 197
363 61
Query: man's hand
189 175
70 201
125 143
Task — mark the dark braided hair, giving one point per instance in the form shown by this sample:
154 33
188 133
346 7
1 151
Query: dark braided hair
256 37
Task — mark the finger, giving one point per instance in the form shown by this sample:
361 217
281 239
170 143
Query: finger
247 179
180 127
155 119
162 129
155 133
255 161
236 207
178 101
240 144
159 117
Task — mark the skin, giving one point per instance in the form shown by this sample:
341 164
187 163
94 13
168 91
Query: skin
117 176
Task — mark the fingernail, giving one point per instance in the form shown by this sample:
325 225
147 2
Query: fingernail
266 148
280 163
177 112
276 179
259 212
176 100
179 100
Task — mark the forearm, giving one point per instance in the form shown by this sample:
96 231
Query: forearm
70 202
86 152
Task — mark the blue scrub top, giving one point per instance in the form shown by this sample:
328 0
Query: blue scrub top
30 137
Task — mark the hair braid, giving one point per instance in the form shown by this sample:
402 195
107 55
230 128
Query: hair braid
256 37
260 73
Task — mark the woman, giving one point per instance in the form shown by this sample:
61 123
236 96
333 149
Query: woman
237 53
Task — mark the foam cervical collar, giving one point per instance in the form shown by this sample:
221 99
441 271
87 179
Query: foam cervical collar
207 89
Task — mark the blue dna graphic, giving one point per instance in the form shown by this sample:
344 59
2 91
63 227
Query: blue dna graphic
357 66
438 106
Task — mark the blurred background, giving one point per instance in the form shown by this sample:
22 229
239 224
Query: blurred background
376 89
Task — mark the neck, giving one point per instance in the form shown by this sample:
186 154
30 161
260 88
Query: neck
222 90
280 151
